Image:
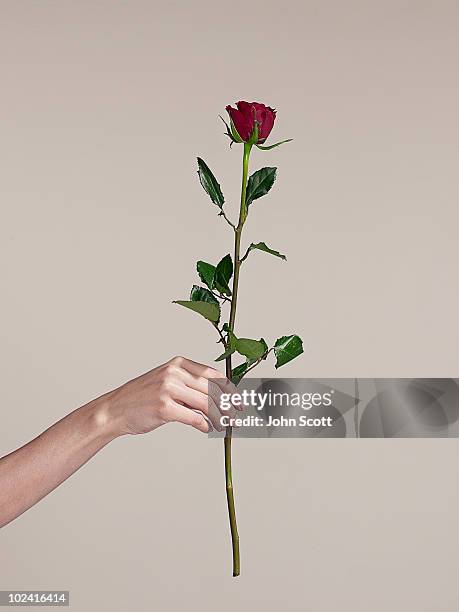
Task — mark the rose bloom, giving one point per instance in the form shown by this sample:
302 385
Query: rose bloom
245 115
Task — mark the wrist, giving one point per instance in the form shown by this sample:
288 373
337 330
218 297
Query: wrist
104 420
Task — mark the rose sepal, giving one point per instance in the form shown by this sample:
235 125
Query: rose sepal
277 144
231 131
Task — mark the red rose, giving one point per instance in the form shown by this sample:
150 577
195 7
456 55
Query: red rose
245 115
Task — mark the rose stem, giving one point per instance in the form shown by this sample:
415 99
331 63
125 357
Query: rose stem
229 430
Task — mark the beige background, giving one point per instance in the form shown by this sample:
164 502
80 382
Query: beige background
104 106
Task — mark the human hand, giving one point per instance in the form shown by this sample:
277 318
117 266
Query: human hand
171 392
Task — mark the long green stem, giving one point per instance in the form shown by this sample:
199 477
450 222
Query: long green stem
232 320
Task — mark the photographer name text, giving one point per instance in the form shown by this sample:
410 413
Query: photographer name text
256 421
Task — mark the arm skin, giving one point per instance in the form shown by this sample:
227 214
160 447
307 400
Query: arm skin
170 393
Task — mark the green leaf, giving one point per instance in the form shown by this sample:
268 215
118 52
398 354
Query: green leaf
238 372
227 353
259 183
206 273
263 148
231 335
210 184
223 274
252 349
241 370
287 348
216 277
262 246
201 294
209 311
231 341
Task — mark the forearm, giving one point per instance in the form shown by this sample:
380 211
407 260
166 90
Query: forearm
34 470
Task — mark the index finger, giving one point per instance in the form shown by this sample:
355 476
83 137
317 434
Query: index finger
209 373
